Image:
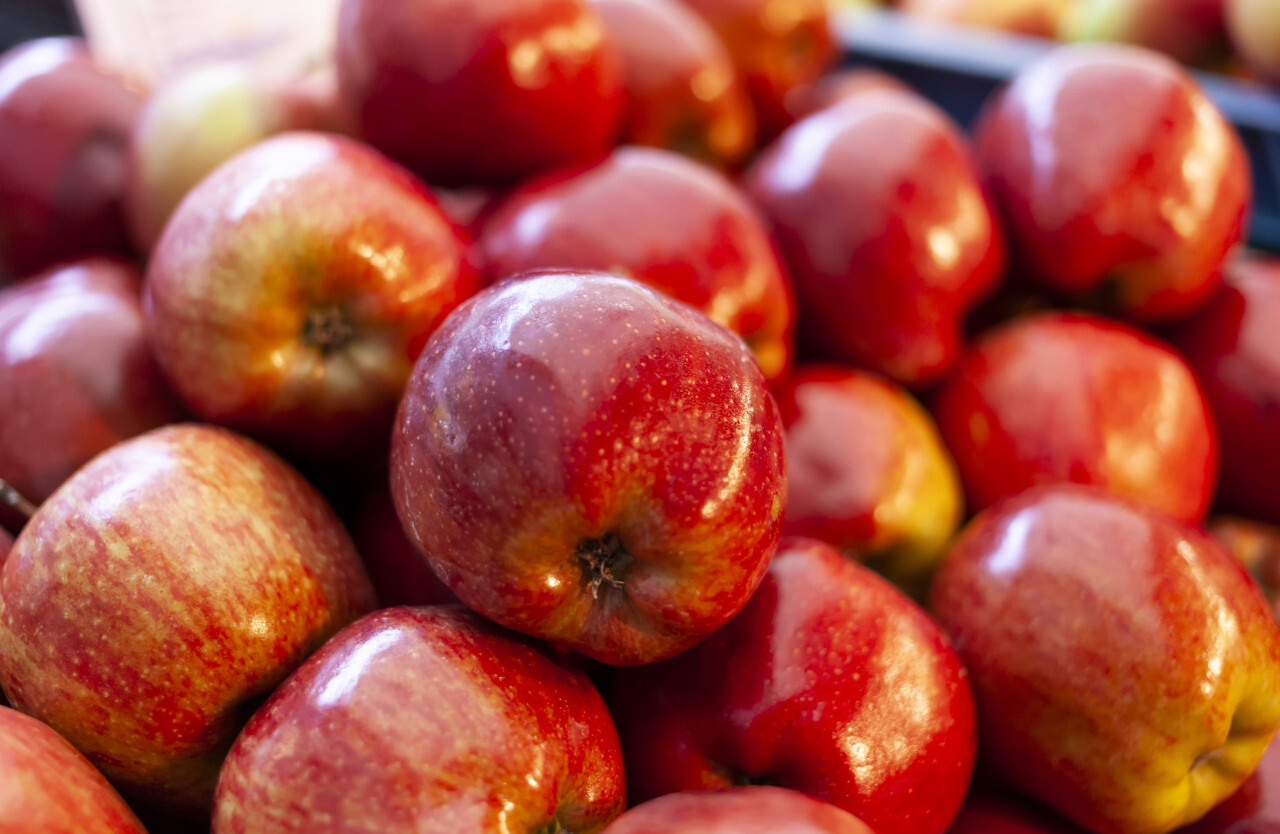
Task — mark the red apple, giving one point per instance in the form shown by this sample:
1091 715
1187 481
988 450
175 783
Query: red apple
1254 28
425 719
397 569
587 461
753 809
829 682
294 287
1122 184
469 93
1231 345
64 127
661 219
161 592
47 787
1039 18
1126 669
1191 31
76 372
867 473
1057 397
879 213
683 90
838 85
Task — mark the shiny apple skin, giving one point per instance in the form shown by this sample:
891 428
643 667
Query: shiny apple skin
750 809
881 218
301 225
1065 397
509 741
830 682
1139 715
867 473
168 584
76 370
1120 182
64 130
47 787
558 413
1231 345
1254 30
468 93
661 219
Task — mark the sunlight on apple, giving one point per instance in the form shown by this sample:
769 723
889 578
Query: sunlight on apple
1013 545
344 680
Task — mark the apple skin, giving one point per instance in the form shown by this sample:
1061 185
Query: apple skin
1037 18
76 370
585 460
1190 31
511 741
683 90
64 128
867 473
171 582
880 216
830 682
293 289
1139 716
47 787
1255 545
468 93
837 86
661 219
1136 218
1254 29
750 809
1056 397
1231 346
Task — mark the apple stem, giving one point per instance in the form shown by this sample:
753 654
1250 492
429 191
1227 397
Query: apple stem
604 561
10 497
327 329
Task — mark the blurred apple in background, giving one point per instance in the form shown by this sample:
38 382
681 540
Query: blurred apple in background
1057 397
1256 546
294 288
1122 185
1254 27
1126 669
683 91
880 216
425 719
1190 31
64 128
398 570
838 85
750 809
160 593
1039 18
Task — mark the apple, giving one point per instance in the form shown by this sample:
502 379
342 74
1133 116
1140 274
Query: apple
47 787
881 218
1126 669
1121 183
587 461
397 569
1055 397
1038 18
294 287
160 594
76 371
1190 31
664 220
683 89
1253 809
1256 546
838 85
1254 29
64 127
425 719
751 809
867 473
6 544
480 93
830 682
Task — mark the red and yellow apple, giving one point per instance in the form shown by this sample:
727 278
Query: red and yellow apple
749 809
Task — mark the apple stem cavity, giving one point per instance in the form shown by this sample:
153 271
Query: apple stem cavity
328 329
553 827
13 499
605 561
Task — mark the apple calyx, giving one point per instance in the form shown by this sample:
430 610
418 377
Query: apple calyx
328 329
11 498
604 562
552 827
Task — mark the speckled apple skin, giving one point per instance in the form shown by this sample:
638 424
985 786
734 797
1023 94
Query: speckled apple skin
1126 669
830 682
750 809
562 408
167 585
47 787
425 719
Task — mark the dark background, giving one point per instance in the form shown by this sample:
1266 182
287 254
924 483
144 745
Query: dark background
22 20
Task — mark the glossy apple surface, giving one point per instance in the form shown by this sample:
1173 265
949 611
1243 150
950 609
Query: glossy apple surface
1191 31
1254 29
751 809
168 585
64 130
867 472
1135 218
1139 715
829 682
468 93
587 461
1056 397
293 289
879 213
661 219
509 740
1039 18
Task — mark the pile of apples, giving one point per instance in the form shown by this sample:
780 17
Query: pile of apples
602 415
